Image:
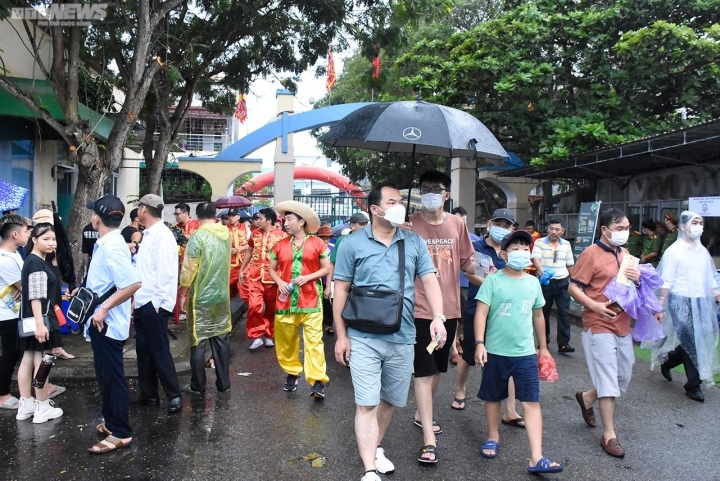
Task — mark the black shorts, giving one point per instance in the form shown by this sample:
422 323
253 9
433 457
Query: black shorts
426 364
468 342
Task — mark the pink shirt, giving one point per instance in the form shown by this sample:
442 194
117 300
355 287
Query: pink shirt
451 251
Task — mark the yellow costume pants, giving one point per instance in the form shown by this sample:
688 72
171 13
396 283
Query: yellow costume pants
287 345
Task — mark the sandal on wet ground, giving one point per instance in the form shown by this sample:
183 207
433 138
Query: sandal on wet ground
102 429
102 448
544 466
11 403
517 422
62 354
490 445
459 402
429 449
436 427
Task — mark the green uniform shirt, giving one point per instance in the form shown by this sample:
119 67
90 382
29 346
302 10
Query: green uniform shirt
652 244
669 240
634 245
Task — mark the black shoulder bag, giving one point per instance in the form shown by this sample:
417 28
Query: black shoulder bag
83 305
374 310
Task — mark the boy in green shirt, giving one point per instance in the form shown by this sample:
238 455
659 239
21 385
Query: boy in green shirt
510 307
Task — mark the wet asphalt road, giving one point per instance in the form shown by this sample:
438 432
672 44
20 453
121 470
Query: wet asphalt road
258 432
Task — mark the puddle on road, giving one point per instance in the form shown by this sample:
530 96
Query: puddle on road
316 460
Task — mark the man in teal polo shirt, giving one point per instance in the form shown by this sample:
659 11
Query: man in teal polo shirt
381 364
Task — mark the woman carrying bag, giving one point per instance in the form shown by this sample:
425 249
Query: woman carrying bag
41 291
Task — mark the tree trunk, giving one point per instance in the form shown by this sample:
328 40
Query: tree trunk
547 188
89 184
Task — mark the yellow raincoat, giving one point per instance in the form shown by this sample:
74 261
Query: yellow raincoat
206 271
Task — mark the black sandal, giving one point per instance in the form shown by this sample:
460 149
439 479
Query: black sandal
429 449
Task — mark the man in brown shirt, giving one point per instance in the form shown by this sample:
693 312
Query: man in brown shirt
606 333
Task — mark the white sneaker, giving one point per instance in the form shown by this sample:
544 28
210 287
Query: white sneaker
257 344
382 464
371 476
26 409
45 411
269 342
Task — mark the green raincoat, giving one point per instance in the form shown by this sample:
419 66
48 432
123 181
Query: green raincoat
206 271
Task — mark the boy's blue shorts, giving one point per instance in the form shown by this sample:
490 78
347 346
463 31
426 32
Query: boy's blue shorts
499 369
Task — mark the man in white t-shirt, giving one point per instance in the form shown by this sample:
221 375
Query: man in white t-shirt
15 233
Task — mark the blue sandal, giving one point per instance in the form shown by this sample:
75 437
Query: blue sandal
490 445
544 466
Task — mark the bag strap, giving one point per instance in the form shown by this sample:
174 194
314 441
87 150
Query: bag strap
401 254
106 296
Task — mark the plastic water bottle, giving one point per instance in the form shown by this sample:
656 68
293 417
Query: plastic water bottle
548 274
291 287
43 371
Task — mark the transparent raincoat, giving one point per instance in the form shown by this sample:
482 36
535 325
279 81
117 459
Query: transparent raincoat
206 271
688 296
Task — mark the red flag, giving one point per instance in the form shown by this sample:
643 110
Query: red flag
331 77
241 109
376 67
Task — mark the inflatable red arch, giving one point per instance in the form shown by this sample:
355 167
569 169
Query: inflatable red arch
303 172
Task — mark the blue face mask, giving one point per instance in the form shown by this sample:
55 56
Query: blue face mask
498 233
518 260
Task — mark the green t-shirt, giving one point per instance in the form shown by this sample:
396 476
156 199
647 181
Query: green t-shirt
333 254
509 329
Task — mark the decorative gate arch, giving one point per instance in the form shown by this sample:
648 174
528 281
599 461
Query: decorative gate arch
303 172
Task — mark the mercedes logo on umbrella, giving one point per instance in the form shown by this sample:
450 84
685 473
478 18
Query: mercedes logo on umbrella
412 133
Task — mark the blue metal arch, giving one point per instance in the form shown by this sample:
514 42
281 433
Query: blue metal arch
282 127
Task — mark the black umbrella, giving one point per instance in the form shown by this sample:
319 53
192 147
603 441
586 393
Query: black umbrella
418 127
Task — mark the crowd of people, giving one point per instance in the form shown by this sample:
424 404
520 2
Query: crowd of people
463 299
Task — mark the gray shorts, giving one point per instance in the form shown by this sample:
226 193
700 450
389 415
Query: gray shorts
380 370
610 359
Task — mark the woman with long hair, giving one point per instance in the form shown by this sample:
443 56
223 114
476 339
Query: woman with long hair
41 291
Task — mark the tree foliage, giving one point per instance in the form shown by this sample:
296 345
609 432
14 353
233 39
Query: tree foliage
555 77
400 26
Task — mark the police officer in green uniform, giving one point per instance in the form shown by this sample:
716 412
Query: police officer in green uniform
671 223
634 245
651 245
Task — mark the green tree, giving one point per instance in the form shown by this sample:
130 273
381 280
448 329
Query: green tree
555 77
134 21
396 32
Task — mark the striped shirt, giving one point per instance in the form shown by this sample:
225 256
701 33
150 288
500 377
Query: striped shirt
549 258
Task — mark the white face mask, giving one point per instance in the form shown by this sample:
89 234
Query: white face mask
395 215
695 231
432 202
619 238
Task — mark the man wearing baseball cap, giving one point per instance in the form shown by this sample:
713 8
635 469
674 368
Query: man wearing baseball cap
157 264
109 326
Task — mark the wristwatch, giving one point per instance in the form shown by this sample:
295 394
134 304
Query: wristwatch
479 343
440 316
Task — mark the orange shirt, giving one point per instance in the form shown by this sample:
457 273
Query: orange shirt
238 240
261 244
294 262
595 268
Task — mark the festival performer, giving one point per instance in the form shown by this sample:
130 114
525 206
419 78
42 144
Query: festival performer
297 264
688 296
239 234
262 290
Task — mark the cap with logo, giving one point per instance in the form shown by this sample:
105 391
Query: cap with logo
152 200
503 214
109 207
518 234
233 212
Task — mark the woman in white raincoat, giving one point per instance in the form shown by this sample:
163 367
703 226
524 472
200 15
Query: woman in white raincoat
688 296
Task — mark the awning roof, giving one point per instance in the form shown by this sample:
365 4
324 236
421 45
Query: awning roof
696 145
41 91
